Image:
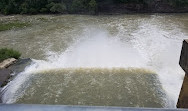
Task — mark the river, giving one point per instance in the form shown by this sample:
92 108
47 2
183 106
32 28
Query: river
106 60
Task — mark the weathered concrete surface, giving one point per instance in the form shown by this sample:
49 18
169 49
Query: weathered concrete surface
20 65
9 67
4 76
183 98
32 107
7 63
12 66
184 56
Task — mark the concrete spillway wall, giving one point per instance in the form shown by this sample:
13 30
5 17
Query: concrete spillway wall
22 107
183 98
182 102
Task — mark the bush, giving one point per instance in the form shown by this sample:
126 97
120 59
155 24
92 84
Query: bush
77 6
33 11
6 53
181 3
93 6
24 8
58 8
44 10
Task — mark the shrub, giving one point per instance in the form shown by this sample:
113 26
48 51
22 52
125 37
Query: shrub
24 8
58 8
92 6
43 10
77 6
6 53
33 11
181 3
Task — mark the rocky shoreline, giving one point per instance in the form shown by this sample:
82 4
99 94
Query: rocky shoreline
9 68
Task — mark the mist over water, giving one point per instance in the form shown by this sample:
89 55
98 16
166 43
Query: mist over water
146 42
95 49
161 50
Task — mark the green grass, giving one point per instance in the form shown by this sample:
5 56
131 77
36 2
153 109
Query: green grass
6 53
12 25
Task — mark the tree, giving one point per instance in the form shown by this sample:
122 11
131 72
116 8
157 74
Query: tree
77 6
181 3
93 6
43 10
58 8
24 8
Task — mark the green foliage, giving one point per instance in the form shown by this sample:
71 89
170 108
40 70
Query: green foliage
128 1
77 6
181 3
92 6
73 6
33 11
11 25
50 5
58 8
43 10
6 53
24 8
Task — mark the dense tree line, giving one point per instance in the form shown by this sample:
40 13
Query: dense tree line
47 6
71 6
175 3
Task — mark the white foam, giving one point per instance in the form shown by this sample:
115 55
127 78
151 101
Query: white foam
161 50
95 49
151 47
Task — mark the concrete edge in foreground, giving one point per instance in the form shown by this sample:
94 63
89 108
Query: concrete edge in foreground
32 107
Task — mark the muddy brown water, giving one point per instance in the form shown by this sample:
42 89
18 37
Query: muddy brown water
85 60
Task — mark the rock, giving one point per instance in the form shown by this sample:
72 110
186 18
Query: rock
20 65
7 63
5 74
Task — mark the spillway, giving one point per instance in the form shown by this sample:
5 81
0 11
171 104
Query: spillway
128 60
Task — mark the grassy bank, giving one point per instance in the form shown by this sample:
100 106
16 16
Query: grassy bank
6 53
12 25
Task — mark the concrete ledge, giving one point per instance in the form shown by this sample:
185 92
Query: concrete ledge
183 97
4 76
23 107
184 56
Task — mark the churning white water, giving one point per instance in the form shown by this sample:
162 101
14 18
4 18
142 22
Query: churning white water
95 49
161 50
152 44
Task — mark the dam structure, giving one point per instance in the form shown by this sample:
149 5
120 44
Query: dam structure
182 101
120 62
